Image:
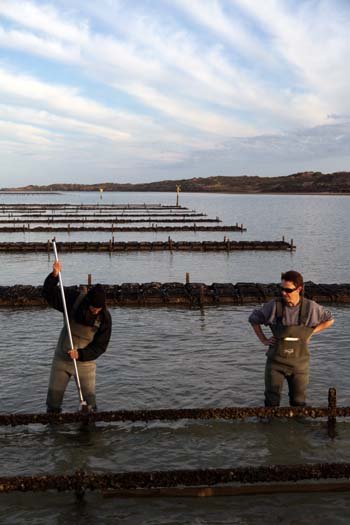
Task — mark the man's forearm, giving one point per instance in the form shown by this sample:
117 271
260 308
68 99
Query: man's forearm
323 326
259 333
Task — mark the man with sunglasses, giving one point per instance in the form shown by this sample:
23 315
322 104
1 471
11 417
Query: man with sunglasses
91 325
292 320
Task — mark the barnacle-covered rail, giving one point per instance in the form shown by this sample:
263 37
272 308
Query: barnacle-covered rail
227 413
81 481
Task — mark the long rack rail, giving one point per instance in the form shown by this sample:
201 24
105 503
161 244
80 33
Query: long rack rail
112 219
127 246
81 481
226 413
153 228
180 294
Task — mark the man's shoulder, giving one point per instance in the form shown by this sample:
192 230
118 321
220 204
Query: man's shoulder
272 302
311 303
107 316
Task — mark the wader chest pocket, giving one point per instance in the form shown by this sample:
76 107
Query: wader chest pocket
288 347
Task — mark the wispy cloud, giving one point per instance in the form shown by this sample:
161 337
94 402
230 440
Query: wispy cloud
169 84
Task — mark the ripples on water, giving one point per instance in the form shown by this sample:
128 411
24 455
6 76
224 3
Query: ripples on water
161 358
317 224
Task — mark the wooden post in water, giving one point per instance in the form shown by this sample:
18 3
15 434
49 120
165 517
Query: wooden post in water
332 406
178 189
187 278
89 279
201 295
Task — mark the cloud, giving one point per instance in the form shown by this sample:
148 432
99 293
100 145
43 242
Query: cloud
49 120
31 43
45 19
145 85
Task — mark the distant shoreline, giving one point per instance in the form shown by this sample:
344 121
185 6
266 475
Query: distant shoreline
21 192
304 183
61 192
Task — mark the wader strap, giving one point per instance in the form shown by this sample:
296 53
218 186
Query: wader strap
304 311
279 311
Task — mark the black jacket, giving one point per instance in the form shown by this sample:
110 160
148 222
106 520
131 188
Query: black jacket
52 293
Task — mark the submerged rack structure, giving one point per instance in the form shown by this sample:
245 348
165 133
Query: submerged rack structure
200 482
180 294
227 413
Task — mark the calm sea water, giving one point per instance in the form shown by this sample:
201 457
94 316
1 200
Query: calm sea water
171 358
317 224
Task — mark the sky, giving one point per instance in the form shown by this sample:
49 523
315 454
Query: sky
145 90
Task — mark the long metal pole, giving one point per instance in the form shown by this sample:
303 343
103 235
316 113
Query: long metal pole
66 318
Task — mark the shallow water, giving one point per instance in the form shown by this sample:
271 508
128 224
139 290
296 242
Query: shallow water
172 358
164 358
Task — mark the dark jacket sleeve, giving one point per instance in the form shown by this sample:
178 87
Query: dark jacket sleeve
100 342
52 293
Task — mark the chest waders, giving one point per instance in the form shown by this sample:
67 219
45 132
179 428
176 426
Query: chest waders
65 343
63 368
81 334
288 357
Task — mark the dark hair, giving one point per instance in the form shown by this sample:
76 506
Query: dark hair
294 277
96 296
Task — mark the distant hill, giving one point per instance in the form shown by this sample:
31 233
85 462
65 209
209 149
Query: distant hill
306 182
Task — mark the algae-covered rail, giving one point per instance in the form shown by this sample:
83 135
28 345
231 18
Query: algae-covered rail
170 245
153 228
180 294
207 482
331 411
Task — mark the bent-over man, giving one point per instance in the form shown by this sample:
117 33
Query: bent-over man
91 326
292 320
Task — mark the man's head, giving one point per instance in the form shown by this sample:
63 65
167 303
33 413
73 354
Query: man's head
292 285
96 299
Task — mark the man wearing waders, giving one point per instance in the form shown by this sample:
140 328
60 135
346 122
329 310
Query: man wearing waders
91 325
292 320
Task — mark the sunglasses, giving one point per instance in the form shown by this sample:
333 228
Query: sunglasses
287 290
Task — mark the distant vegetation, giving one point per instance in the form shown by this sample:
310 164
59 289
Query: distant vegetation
306 182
